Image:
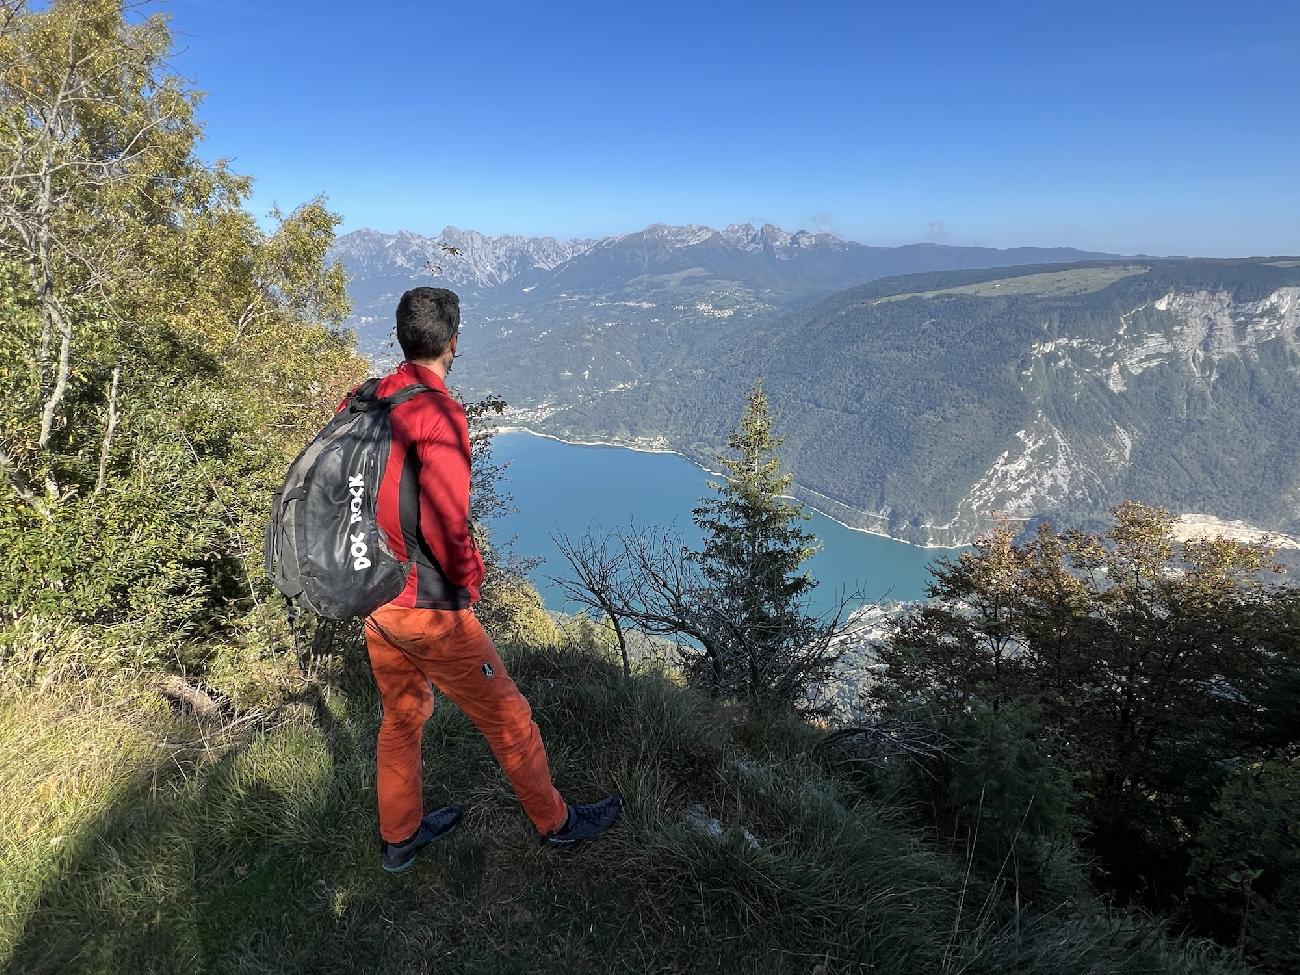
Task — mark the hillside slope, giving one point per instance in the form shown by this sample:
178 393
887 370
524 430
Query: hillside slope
919 405
143 839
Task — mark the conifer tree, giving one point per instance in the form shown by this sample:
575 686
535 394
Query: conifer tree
768 647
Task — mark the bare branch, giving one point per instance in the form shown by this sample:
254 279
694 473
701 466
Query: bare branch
10 11
599 584
21 485
872 745
106 449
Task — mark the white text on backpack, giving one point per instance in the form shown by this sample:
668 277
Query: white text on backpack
356 484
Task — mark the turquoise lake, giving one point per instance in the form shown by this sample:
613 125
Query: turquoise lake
570 489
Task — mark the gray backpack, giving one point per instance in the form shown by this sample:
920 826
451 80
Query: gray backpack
324 547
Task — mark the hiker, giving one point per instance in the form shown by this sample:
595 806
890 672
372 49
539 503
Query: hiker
429 636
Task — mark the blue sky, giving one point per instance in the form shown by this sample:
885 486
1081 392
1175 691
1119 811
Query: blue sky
1155 127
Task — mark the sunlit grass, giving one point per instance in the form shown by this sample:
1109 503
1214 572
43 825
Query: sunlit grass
1074 281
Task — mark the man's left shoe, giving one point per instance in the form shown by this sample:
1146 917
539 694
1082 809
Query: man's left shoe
397 857
584 822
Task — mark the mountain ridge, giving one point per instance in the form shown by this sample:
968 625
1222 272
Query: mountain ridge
550 251
513 285
915 404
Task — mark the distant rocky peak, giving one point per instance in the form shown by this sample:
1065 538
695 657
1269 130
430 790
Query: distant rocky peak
466 257
738 233
771 237
496 258
744 236
679 236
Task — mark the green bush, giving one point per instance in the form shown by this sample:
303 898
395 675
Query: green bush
1145 668
1246 865
1002 795
151 553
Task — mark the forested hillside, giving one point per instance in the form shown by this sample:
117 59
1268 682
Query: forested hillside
920 405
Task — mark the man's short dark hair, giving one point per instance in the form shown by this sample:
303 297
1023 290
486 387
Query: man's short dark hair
427 320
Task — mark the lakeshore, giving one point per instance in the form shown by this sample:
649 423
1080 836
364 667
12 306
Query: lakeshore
562 488
642 448
1188 526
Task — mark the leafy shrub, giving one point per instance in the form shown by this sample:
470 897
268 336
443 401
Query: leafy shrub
1001 792
1153 666
1246 866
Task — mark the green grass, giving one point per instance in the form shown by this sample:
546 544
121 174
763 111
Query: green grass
1075 281
138 841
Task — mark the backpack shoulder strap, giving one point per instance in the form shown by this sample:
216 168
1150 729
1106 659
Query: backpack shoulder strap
408 392
366 391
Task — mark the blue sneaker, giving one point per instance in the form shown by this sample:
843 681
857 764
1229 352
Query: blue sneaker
397 857
585 822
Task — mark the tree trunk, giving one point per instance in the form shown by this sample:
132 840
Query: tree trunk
622 644
106 449
715 686
55 397
53 318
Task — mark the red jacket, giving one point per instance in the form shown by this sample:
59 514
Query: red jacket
423 503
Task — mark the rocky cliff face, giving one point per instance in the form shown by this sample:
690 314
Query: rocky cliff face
1190 398
1186 336
1195 330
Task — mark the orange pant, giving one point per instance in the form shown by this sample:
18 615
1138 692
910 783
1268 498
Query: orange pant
409 648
